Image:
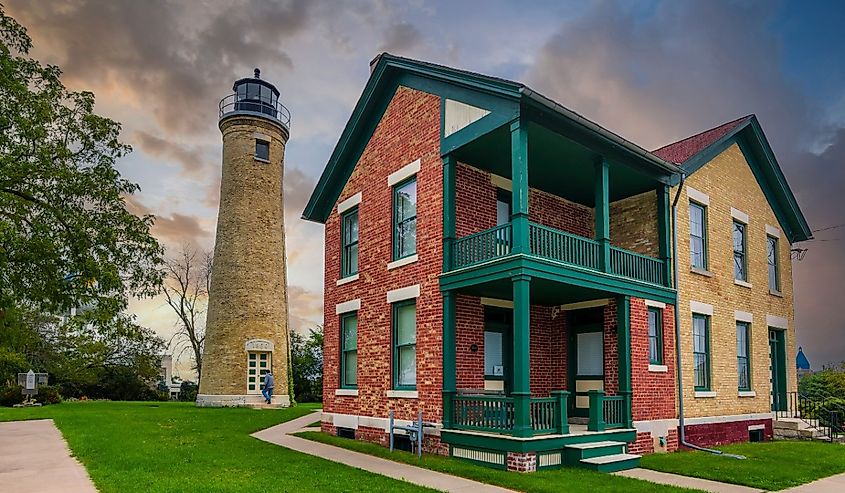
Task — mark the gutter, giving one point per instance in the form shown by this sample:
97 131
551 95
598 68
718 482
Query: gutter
682 438
607 134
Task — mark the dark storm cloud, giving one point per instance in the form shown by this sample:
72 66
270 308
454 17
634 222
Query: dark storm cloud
689 66
176 229
171 56
400 38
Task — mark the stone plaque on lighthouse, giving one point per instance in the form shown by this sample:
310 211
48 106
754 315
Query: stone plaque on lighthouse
247 323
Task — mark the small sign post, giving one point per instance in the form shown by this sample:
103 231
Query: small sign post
30 381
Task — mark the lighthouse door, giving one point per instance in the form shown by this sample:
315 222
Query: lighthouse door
257 363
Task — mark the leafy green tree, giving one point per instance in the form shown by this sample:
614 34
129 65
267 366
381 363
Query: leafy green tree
307 365
66 236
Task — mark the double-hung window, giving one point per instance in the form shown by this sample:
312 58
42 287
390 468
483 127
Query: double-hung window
698 235
772 254
349 350
405 219
405 345
743 346
655 336
349 248
701 351
740 251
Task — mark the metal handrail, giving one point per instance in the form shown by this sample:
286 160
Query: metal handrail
235 104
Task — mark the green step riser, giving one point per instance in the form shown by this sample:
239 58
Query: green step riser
613 466
572 456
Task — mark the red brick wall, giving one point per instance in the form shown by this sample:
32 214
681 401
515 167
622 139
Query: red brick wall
475 203
611 353
409 130
721 433
654 393
644 443
469 330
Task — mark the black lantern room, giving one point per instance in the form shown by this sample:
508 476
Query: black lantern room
253 95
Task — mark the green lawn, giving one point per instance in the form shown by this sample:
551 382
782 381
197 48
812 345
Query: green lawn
567 479
769 465
151 447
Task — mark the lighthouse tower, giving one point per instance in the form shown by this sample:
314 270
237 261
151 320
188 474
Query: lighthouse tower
247 325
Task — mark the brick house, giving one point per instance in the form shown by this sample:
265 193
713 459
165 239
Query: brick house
504 266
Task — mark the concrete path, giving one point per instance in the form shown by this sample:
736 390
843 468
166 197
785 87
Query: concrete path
279 435
35 458
832 484
686 481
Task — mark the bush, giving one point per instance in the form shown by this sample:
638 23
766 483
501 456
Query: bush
48 394
11 395
188 391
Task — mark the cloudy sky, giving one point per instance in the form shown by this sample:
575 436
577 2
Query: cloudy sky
651 71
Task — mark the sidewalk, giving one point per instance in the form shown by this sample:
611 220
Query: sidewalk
34 458
832 484
687 481
417 475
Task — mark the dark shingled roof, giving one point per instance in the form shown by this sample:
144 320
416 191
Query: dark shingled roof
682 150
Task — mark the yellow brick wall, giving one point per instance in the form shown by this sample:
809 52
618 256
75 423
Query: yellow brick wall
729 182
633 224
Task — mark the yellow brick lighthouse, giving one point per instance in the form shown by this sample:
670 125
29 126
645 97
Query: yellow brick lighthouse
247 327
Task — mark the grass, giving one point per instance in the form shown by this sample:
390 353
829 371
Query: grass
566 479
769 465
144 447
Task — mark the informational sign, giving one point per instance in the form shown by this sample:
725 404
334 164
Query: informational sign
30 381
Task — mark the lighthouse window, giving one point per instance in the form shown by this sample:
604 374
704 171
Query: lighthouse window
262 149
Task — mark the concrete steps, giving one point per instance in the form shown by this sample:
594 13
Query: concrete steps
604 456
797 428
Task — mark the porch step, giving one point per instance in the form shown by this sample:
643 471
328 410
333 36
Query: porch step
577 451
611 463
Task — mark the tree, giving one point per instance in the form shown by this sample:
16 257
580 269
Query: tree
307 365
66 236
186 286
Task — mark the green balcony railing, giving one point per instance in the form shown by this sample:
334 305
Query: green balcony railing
636 266
496 413
481 247
564 247
558 246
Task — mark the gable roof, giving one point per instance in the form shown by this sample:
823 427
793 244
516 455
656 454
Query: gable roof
388 71
692 153
680 151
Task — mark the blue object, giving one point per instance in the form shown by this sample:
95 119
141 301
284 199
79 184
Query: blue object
801 361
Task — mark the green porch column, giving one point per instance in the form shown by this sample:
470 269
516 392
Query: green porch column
521 391
623 339
519 182
449 372
663 233
602 212
448 210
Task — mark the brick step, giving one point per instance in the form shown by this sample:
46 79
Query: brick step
577 451
611 463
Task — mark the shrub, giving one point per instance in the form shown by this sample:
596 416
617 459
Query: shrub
10 395
11 363
188 391
48 394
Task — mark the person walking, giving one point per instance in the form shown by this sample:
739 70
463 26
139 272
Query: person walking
267 391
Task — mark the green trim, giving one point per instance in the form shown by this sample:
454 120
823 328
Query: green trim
396 347
704 236
706 353
542 443
521 370
664 211
755 147
449 209
343 351
537 267
397 254
602 212
449 356
346 269
658 329
519 186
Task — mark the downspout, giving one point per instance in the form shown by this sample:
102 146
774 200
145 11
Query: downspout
682 438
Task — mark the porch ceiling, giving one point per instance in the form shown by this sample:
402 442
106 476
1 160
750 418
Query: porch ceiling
556 164
543 292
